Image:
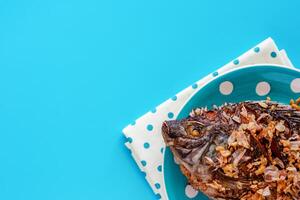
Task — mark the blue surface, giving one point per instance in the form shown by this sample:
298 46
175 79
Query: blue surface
74 73
244 88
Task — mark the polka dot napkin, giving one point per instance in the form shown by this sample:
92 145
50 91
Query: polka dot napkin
144 135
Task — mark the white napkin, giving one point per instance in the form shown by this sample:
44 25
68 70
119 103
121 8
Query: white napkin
144 136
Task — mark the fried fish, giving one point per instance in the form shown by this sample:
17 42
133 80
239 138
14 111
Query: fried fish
247 150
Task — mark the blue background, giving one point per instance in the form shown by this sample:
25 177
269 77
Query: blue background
74 73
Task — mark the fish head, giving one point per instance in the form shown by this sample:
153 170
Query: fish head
182 128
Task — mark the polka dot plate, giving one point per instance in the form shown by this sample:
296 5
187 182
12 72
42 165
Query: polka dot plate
248 83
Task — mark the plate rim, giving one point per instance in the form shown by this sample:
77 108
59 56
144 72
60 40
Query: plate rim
234 70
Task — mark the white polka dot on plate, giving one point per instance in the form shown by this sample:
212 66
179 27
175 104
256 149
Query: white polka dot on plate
263 88
295 85
190 192
226 88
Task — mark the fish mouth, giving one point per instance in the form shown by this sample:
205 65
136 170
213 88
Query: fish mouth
173 129
165 132
165 128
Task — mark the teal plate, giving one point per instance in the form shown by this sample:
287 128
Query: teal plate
249 83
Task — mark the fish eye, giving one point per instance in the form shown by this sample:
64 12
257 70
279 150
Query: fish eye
194 129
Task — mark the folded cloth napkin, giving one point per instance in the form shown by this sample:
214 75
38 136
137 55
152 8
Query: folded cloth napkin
144 135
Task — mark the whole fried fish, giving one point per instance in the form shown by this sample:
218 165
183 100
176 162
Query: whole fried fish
248 150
